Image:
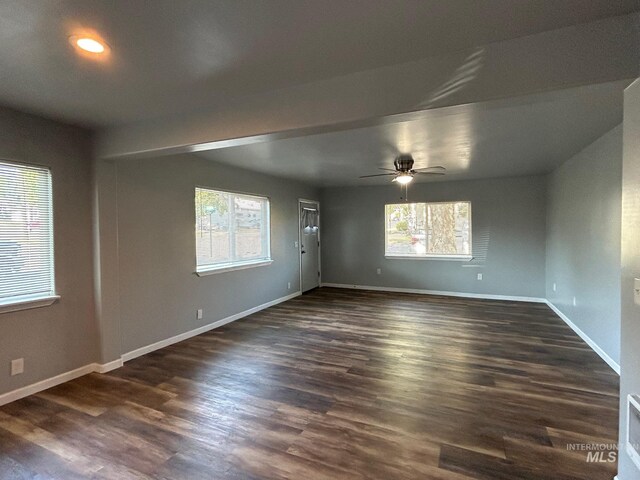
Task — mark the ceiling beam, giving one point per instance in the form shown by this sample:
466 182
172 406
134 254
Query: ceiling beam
584 54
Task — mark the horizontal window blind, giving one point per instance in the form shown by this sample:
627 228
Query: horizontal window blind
26 233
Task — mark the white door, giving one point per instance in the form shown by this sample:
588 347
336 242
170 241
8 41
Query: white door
309 245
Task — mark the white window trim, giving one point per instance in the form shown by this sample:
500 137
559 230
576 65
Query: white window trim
27 302
229 267
431 256
205 270
454 258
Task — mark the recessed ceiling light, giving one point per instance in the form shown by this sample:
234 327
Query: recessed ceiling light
88 44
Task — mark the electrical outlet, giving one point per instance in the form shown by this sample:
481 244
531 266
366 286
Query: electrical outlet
288 285
379 271
479 276
200 314
17 366
554 286
295 244
574 301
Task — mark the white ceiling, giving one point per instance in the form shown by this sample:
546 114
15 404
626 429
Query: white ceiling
517 136
172 57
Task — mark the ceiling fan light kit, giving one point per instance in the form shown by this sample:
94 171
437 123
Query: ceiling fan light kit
403 179
404 172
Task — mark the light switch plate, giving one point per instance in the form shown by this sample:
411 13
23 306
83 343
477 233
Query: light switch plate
636 291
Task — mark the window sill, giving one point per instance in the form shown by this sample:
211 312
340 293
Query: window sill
201 272
450 258
27 303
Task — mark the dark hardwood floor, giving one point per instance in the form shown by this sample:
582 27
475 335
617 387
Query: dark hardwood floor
334 384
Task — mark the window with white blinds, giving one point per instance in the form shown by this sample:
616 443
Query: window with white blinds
26 233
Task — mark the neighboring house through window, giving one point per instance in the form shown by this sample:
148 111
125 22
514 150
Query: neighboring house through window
232 230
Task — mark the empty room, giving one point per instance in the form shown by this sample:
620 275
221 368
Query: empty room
328 239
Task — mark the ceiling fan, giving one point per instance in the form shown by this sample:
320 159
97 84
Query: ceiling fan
404 172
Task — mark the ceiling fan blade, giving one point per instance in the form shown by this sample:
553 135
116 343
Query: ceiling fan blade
437 167
377 175
430 173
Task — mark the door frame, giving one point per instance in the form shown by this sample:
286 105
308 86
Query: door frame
300 202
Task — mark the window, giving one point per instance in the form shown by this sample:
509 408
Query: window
232 230
26 235
428 230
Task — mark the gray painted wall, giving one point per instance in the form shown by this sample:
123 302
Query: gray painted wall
630 353
159 292
508 223
583 240
105 258
61 337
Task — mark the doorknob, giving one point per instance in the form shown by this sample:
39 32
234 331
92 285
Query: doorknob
303 251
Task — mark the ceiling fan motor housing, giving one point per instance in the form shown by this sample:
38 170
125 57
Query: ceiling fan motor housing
404 163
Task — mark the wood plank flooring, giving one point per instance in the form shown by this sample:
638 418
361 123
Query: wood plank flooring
335 384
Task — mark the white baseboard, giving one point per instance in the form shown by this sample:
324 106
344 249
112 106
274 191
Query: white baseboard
192 333
50 382
107 367
594 346
437 292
